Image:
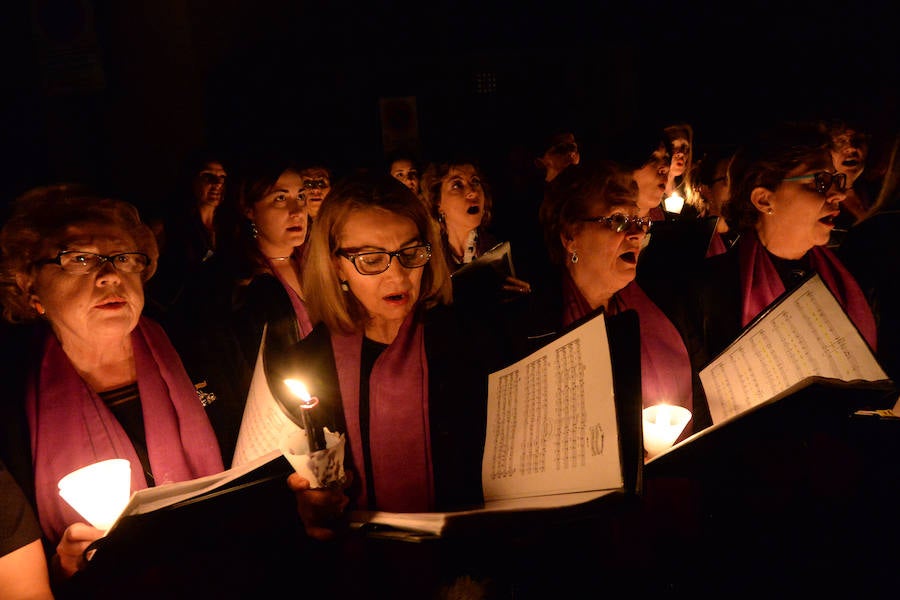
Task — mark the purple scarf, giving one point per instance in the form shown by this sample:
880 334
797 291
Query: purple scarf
71 427
665 366
761 285
399 431
716 245
303 321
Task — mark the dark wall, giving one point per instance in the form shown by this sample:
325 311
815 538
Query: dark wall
119 93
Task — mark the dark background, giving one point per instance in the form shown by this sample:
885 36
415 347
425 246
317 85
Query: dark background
118 93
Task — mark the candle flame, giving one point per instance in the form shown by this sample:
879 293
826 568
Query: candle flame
299 389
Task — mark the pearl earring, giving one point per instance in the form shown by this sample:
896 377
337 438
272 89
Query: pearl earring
345 287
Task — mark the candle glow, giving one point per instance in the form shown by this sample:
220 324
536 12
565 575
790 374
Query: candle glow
663 423
674 203
99 491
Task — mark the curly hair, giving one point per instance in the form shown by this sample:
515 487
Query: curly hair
36 225
326 301
434 176
573 195
765 160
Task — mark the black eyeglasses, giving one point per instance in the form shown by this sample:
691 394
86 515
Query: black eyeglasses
82 263
619 222
823 181
373 263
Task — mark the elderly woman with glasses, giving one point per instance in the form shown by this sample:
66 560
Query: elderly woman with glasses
396 369
91 379
785 197
594 237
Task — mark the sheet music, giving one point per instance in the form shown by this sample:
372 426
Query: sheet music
264 425
552 422
499 258
808 334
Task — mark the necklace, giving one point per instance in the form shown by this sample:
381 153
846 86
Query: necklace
279 258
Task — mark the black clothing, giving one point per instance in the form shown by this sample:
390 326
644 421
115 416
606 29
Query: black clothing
872 254
461 352
18 523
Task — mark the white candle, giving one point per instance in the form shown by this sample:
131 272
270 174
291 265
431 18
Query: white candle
663 423
315 435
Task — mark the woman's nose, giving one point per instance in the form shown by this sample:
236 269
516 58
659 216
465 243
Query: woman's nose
835 196
107 272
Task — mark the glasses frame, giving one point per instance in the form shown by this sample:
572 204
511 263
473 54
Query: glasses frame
352 256
629 222
104 258
818 179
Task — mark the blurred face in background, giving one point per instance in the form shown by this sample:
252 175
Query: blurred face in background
716 192
316 185
209 184
849 151
681 150
406 172
651 180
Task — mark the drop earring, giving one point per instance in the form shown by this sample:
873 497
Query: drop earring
254 230
574 257
38 307
770 211
345 287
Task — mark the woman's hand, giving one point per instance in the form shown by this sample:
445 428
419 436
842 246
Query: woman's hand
516 286
70 550
322 510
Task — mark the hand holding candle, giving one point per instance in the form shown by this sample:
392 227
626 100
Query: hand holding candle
663 423
316 453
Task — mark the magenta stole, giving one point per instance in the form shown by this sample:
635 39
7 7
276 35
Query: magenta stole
303 321
71 427
399 431
665 366
761 285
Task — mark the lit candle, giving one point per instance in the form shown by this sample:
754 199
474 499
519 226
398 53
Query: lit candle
99 491
674 203
315 435
663 423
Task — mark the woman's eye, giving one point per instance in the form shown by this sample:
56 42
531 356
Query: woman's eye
476 183
371 259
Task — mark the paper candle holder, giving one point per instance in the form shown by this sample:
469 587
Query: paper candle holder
99 491
663 423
